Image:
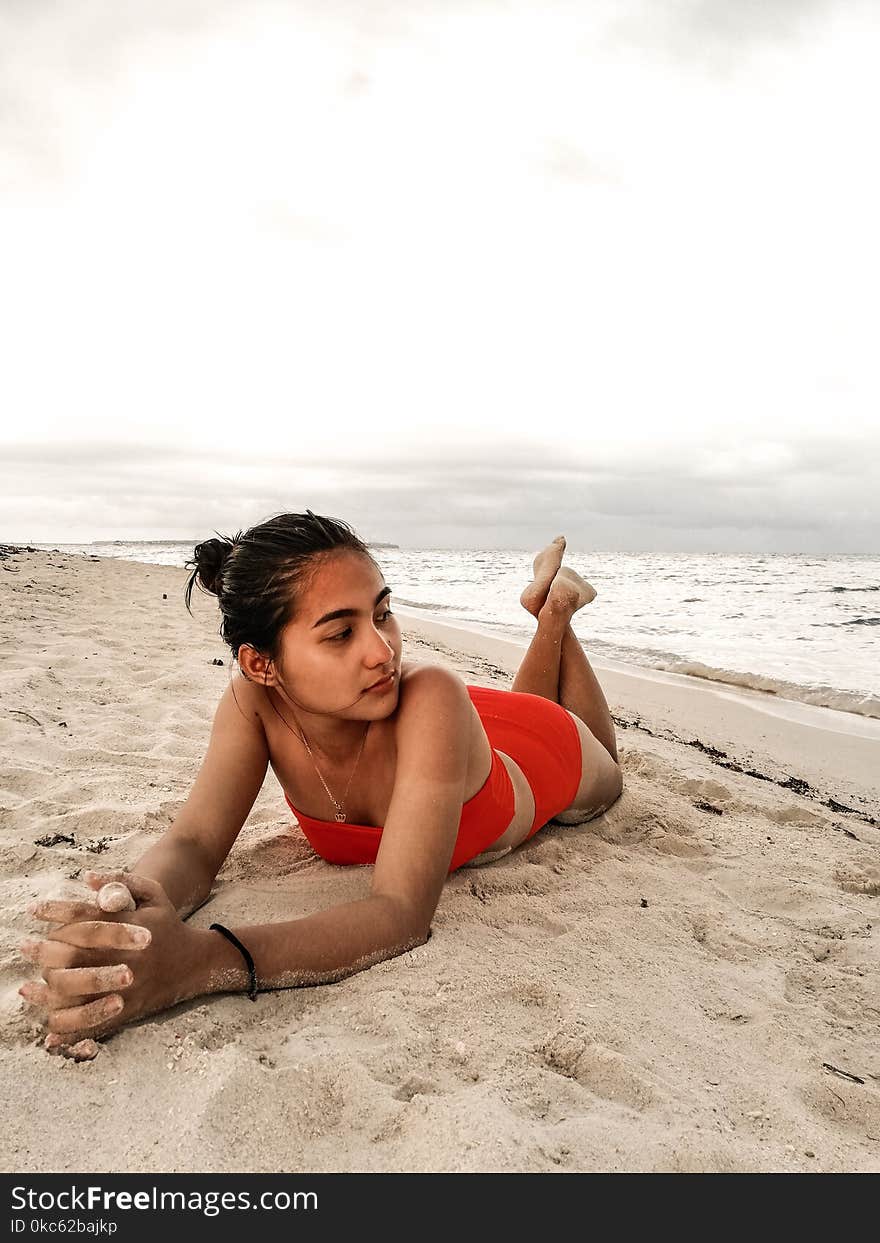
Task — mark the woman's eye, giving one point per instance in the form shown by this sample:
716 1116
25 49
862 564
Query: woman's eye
344 634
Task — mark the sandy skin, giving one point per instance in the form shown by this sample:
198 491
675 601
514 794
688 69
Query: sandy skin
569 592
115 897
544 569
80 989
555 583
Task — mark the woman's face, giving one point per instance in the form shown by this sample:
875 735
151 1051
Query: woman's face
327 662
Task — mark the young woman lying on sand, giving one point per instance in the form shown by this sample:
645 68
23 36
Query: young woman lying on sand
358 738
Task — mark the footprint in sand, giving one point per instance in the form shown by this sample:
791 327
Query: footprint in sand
702 788
530 993
537 1097
853 879
799 817
853 1106
839 985
675 844
602 1071
529 1007
416 1085
724 942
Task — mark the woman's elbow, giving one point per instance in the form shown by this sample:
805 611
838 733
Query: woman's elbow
410 925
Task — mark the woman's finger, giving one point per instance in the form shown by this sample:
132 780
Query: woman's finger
81 1051
51 954
102 935
66 911
77 1047
85 1019
58 956
35 993
88 981
40 995
55 955
115 897
141 888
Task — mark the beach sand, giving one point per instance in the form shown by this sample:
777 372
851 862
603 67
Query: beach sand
689 982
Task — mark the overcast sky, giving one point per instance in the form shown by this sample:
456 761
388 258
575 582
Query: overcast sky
460 273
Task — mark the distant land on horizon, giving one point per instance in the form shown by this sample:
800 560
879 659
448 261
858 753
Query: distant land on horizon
48 545
158 543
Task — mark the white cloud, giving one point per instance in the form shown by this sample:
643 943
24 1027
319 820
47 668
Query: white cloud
294 232
760 496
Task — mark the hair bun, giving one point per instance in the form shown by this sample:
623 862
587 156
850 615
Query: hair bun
209 558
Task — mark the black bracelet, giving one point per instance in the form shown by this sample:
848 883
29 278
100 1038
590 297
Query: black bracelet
230 936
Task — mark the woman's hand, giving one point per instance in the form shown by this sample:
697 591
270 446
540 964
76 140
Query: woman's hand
101 971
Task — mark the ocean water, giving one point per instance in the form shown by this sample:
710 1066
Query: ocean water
801 627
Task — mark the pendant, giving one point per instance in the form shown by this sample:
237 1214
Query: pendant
340 816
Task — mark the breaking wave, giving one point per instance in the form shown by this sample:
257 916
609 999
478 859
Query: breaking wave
424 604
818 696
854 621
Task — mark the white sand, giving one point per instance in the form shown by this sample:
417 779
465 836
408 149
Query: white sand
657 990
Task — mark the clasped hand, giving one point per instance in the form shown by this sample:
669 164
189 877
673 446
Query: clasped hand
102 970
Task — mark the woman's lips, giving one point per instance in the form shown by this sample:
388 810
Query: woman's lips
384 685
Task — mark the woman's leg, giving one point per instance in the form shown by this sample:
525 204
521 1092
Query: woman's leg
539 670
555 666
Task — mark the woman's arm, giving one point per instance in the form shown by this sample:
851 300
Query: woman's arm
319 949
93 959
187 858
433 742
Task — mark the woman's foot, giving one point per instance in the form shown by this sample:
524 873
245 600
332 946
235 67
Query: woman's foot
544 567
568 592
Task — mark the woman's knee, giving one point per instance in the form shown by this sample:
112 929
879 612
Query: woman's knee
601 781
574 817
582 815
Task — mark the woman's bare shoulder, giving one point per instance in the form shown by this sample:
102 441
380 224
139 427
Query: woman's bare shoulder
427 686
250 700
411 668
428 676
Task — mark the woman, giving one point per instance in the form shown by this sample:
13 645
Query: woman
358 738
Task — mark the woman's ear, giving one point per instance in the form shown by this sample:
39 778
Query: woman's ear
255 666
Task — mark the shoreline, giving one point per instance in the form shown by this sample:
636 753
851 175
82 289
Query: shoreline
832 753
738 675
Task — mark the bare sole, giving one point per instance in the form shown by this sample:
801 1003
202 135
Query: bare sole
544 568
569 591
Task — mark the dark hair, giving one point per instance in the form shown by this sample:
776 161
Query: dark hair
256 575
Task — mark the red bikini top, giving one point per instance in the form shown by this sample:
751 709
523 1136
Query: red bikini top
483 819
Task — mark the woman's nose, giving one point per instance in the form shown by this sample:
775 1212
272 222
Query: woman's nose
380 651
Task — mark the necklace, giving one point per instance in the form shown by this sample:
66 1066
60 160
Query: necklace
340 814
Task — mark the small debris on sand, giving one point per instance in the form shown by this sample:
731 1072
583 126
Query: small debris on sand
82 1051
53 839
